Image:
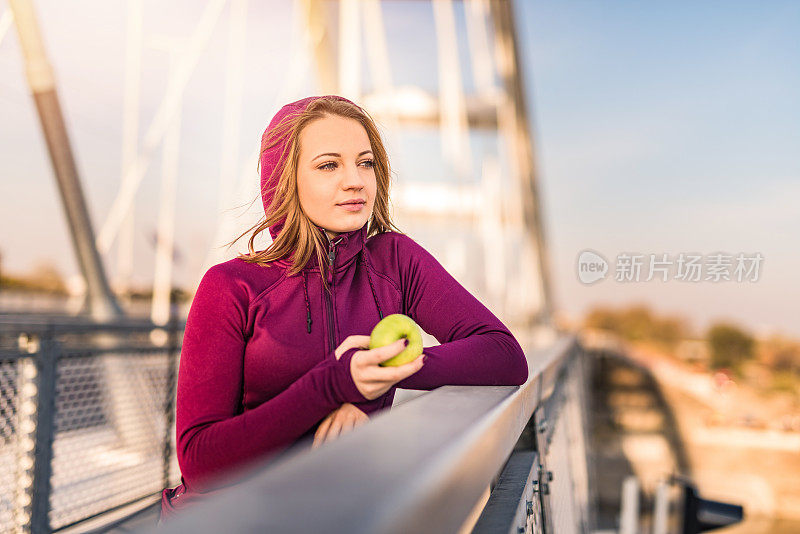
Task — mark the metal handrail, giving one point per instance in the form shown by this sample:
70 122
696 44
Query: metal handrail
419 467
47 325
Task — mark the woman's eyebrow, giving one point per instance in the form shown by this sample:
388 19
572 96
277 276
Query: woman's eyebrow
334 154
337 155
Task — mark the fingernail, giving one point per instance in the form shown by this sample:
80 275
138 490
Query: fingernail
405 342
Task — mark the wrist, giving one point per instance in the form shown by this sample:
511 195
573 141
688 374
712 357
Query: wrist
346 386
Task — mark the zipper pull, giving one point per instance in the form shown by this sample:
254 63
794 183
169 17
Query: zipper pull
332 250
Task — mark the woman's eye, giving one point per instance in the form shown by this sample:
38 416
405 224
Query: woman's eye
368 163
328 166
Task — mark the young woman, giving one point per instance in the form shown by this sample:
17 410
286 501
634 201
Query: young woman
275 348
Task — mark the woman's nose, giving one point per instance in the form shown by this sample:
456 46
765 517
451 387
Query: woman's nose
353 178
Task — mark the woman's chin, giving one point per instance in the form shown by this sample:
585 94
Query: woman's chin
349 226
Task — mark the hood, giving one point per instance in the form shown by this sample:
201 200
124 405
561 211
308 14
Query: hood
347 245
271 159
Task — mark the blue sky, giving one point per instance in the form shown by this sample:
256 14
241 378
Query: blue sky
659 128
670 128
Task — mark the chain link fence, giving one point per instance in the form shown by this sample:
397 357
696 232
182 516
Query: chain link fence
86 419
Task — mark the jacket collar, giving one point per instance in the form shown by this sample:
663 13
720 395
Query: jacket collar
347 245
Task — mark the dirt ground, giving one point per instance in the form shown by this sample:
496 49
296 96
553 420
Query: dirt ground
756 466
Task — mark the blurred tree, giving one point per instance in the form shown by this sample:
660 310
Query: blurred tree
730 346
603 319
45 276
779 353
670 331
638 323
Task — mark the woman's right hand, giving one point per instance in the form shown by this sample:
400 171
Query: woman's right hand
371 379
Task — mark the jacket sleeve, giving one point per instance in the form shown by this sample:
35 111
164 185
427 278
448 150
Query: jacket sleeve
476 348
212 436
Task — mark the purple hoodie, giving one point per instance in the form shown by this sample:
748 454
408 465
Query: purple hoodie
258 372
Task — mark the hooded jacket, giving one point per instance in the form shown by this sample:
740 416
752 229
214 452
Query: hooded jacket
257 371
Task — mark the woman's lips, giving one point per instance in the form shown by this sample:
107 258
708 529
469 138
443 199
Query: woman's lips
353 207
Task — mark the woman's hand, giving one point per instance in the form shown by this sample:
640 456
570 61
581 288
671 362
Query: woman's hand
371 379
342 420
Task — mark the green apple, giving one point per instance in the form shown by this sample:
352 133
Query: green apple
394 327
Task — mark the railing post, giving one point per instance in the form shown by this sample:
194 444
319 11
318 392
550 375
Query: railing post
45 430
172 357
543 494
629 514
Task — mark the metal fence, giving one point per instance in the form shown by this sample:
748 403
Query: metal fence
86 418
428 464
86 427
563 443
545 486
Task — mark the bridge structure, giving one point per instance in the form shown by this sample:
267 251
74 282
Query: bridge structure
486 196
88 401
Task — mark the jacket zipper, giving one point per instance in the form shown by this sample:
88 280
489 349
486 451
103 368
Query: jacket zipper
328 297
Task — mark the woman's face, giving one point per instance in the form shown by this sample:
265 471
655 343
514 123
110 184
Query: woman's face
336 165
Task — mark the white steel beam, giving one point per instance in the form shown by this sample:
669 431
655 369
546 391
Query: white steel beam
165 236
453 120
6 19
130 136
164 116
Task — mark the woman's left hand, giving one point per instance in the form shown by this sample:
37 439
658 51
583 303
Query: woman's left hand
342 420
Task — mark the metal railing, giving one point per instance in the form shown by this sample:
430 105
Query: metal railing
86 418
428 464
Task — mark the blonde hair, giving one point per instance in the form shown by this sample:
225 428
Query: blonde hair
299 238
